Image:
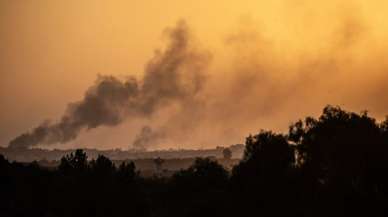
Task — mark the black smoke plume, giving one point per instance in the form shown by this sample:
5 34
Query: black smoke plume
172 75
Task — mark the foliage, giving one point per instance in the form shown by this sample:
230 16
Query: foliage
333 165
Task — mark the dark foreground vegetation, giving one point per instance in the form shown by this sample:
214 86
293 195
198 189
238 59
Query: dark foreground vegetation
336 165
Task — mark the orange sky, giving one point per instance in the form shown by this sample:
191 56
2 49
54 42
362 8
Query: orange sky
326 52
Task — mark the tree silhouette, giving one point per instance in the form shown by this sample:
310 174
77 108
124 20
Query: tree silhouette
265 153
264 177
3 162
127 172
102 166
333 165
74 163
204 173
339 146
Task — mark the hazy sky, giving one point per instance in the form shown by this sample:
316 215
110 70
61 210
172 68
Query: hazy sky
270 63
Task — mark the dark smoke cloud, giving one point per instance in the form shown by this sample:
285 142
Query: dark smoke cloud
174 75
255 85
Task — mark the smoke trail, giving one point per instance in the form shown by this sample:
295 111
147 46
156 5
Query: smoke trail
255 84
146 138
174 75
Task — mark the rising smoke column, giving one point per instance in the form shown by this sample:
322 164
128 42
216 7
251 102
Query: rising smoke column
147 137
173 75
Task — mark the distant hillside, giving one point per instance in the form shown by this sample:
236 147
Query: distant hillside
29 155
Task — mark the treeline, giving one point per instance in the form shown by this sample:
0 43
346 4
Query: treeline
336 165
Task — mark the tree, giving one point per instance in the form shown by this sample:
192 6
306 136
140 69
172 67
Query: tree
340 148
268 152
264 180
74 162
102 166
267 161
203 174
127 171
3 161
227 153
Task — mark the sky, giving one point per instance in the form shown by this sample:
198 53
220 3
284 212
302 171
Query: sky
263 65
